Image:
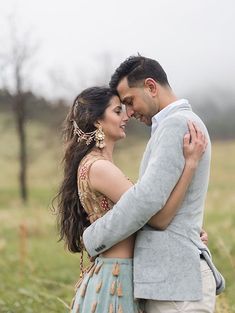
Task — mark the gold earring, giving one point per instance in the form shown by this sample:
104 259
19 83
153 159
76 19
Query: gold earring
99 138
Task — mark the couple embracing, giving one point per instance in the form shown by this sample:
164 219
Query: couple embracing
146 239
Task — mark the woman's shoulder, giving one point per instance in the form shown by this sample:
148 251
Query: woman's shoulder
94 165
102 167
88 160
98 170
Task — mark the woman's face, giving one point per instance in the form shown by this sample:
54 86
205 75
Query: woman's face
115 120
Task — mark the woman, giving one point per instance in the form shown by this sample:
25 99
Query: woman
94 124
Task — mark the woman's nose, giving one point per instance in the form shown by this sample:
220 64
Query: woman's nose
125 116
129 111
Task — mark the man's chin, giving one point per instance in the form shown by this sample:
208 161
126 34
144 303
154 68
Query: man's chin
146 121
143 119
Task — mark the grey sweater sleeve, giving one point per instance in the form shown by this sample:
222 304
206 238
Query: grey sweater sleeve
148 195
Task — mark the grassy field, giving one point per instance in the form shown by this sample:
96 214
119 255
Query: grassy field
36 273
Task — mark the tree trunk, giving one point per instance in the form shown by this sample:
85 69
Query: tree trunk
19 108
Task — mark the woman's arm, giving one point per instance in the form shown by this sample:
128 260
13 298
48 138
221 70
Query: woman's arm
106 178
194 146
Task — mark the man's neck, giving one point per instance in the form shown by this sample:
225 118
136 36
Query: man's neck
166 97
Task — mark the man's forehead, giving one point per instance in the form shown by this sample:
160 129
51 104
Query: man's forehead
124 91
122 85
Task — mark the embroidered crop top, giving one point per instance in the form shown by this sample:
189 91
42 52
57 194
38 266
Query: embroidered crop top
94 203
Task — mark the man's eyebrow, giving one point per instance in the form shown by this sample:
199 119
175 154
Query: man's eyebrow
125 99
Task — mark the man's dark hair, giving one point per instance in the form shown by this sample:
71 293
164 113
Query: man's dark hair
136 69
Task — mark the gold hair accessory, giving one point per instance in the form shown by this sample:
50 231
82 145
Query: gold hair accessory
88 137
99 137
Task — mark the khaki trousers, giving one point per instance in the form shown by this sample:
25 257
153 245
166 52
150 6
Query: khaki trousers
206 305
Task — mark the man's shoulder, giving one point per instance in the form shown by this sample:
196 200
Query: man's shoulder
177 124
179 119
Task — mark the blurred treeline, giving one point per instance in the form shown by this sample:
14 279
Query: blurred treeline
217 110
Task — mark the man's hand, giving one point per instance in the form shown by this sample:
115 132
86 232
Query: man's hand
204 236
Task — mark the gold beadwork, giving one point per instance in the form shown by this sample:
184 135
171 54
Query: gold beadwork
116 269
81 265
120 310
83 290
111 308
78 310
98 267
87 270
91 272
98 287
93 308
113 287
90 200
87 137
78 284
119 290
72 303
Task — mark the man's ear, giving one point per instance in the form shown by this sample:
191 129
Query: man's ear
151 85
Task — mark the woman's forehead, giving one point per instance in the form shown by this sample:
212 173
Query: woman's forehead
115 101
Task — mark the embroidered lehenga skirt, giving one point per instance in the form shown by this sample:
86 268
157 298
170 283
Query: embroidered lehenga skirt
107 288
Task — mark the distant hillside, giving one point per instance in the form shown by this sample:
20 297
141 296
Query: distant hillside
38 109
216 107
216 110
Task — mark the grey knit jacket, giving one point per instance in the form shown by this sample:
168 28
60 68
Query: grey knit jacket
166 263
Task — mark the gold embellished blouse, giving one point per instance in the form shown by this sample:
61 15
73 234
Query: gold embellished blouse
94 203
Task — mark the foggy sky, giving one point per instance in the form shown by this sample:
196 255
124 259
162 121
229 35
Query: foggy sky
78 40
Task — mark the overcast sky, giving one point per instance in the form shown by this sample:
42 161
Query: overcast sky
194 40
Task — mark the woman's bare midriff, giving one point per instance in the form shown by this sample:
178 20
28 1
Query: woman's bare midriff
123 249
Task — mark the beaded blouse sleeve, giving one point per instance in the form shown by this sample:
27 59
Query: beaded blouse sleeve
94 203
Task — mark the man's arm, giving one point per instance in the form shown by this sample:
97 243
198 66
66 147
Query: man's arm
148 196
194 147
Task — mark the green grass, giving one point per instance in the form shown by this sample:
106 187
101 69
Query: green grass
36 273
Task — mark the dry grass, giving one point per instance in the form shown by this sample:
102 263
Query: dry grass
36 274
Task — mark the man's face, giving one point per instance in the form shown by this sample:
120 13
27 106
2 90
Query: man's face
139 101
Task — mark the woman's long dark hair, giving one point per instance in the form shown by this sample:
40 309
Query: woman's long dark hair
88 107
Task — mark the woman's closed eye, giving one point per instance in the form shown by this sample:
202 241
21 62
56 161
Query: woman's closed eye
118 110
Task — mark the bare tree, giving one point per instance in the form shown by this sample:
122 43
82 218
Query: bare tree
14 63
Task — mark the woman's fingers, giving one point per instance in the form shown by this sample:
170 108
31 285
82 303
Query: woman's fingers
192 131
186 139
198 131
204 236
196 138
201 138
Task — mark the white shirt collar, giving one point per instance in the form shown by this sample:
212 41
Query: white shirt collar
157 118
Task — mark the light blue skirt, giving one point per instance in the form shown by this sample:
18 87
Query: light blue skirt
107 287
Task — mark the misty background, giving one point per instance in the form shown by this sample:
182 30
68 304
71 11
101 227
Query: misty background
52 49
76 44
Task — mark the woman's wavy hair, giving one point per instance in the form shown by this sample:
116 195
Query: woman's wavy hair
88 107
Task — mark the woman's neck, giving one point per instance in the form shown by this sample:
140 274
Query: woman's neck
106 152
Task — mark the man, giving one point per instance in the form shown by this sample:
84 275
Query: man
169 266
